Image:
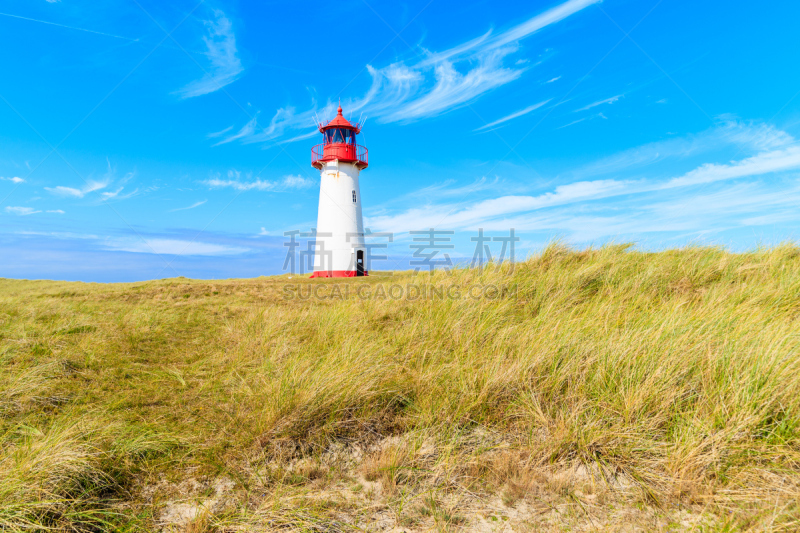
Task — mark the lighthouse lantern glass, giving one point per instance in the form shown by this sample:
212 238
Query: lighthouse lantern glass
340 136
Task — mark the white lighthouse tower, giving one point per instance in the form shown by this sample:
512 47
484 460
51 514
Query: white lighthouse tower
340 250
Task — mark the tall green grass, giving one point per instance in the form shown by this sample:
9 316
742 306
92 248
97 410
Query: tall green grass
667 380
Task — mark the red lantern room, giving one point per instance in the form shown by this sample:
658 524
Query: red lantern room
339 144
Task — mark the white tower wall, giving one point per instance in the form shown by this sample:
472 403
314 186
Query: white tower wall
340 230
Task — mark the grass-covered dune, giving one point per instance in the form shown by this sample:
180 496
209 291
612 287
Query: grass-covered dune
605 389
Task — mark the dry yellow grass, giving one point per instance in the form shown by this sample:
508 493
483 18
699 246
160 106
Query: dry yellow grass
604 389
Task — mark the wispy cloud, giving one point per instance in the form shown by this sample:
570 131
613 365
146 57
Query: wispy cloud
171 247
455 216
21 211
451 88
225 65
744 136
196 204
149 244
219 133
25 211
514 115
234 181
646 203
601 102
437 83
758 165
551 80
596 115
247 133
59 234
90 186
15 179
117 194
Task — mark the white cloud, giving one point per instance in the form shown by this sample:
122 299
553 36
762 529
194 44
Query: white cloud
60 234
97 185
514 115
148 244
111 194
246 132
263 232
748 197
601 102
21 211
756 136
526 212
226 67
171 247
772 218
219 133
196 204
572 123
553 79
590 117
234 181
727 133
452 88
758 165
115 195
727 207
25 211
690 212
297 182
90 186
457 216
440 82
15 179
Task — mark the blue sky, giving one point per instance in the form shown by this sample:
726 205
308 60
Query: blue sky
140 140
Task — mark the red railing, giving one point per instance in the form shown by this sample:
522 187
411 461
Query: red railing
350 153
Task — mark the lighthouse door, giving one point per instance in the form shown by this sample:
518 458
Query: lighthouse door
360 263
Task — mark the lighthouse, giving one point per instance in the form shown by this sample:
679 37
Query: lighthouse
340 251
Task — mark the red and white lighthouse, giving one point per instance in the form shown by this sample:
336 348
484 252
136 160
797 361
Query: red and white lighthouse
340 250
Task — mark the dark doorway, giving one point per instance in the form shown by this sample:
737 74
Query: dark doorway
360 263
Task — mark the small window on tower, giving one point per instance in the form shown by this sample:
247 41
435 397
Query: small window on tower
354 196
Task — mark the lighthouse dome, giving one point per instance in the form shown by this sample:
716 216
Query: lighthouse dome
340 122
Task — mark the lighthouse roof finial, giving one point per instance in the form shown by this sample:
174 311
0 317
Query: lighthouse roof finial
340 122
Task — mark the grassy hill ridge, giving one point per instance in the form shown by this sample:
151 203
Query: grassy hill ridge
604 389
